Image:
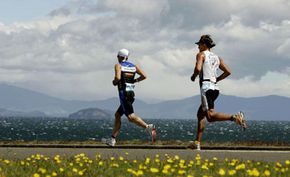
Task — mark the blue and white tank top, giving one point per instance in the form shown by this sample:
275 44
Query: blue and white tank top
128 71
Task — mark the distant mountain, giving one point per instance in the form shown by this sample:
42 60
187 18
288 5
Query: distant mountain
91 113
19 99
257 108
9 113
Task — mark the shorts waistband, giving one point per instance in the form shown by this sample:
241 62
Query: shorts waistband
208 80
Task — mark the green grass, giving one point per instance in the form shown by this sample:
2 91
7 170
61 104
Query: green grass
81 165
172 142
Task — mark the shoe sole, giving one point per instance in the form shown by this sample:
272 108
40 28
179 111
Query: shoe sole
104 140
243 121
193 146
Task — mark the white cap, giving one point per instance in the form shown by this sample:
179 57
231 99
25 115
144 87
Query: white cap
123 53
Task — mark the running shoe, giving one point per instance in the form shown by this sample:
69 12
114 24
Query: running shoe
239 118
109 141
194 145
152 131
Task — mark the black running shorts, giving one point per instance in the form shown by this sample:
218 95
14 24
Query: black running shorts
210 96
126 100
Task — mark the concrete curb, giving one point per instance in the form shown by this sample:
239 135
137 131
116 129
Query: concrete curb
130 146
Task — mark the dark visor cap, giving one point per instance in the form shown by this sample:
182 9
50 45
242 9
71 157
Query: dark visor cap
207 40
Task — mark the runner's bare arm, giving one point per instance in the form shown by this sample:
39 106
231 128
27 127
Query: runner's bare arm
141 73
198 65
117 77
226 70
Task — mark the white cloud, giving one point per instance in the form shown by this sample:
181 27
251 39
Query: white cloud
272 83
77 45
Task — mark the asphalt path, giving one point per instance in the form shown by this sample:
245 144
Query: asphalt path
139 153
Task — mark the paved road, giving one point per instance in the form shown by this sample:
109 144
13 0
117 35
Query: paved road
140 154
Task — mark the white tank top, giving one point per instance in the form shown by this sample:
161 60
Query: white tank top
210 66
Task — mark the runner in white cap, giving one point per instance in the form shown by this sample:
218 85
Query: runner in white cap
125 81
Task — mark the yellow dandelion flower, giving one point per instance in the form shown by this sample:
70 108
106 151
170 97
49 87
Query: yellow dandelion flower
198 162
121 158
147 161
190 176
115 165
36 175
75 170
101 163
81 173
204 167
222 172
167 166
267 173
232 164
22 163
170 161
6 161
140 173
182 161
53 174
61 169
47 176
176 157
157 160
135 161
253 172
232 172
126 153
240 166
215 158
165 171
283 170
287 162
154 170
181 172
256 172
42 170
112 158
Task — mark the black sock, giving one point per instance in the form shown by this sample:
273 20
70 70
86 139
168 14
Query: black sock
113 136
232 118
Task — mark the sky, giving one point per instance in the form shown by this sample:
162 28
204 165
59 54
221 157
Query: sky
67 48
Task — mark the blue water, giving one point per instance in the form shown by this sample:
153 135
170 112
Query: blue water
63 129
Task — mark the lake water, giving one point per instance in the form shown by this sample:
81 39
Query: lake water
63 129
